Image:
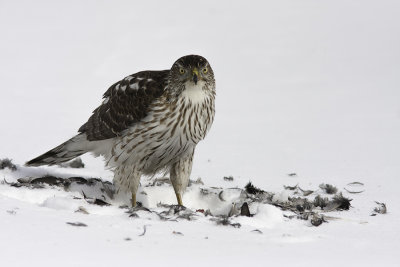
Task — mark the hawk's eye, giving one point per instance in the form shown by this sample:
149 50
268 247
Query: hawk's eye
182 71
205 70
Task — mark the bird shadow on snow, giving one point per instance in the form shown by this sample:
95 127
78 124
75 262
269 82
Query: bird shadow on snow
230 206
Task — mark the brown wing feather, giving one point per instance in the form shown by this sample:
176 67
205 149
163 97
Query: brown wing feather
125 103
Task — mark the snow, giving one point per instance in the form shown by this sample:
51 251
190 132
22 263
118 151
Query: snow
305 87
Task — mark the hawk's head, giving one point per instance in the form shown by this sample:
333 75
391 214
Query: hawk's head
191 70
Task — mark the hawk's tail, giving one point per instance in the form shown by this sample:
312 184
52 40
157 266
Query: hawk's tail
68 150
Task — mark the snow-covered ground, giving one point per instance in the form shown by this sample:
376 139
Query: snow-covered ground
305 87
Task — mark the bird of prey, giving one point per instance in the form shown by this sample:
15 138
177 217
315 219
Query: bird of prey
149 122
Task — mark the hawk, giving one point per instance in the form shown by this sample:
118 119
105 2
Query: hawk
148 122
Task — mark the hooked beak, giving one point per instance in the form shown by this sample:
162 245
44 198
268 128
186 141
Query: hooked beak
195 75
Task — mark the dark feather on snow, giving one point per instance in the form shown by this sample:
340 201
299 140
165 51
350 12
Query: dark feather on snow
78 224
244 210
301 207
290 187
342 202
328 188
228 178
381 209
251 189
223 220
317 219
320 201
7 163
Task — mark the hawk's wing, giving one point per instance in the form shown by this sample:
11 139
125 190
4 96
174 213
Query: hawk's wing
125 103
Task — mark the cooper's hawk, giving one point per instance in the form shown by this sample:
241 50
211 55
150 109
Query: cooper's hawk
150 121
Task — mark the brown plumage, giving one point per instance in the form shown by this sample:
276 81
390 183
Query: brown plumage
150 121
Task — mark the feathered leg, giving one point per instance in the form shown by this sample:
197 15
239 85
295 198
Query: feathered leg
127 178
179 175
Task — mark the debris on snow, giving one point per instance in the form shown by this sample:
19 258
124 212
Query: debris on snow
329 189
317 219
82 210
177 233
244 210
228 178
353 192
381 209
95 201
305 192
237 202
12 212
251 189
77 224
290 187
7 163
342 202
354 185
224 220
321 202
198 181
144 230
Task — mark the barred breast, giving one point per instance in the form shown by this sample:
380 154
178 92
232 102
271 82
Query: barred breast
169 132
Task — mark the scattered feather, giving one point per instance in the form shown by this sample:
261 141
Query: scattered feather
100 202
12 212
355 183
340 202
224 220
251 189
353 192
82 210
381 209
220 196
7 163
244 210
320 201
95 201
228 178
198 181
317 220
134 215
290 187
305 192
298 205
329 189
177 233
144 230
77 224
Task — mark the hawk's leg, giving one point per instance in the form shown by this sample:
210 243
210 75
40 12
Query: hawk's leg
134 181
133 200
127 178
180 173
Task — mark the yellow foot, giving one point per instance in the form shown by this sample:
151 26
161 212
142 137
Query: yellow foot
179 198
133 200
